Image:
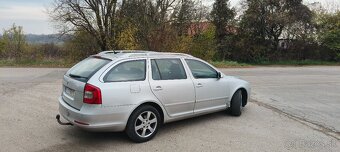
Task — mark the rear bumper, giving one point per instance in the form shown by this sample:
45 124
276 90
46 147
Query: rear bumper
95 117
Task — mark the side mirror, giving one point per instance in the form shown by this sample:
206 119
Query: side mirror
219 75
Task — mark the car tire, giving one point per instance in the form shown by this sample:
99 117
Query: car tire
236 103
143 124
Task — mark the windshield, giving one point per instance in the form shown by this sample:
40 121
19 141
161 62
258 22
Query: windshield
86 68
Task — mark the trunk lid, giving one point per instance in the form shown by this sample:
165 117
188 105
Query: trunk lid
75 79
73 92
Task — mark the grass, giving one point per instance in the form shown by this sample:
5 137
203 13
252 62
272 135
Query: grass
296 63
234 64
49 63
229 64
60 63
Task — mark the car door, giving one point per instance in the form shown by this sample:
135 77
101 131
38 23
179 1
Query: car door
211 91
125 83
170 83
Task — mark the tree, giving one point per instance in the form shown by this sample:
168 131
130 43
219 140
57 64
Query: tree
127 39
95 17
151 18
204 45
222 16
2 47
182 44
266 20
50 50
80 46
14 42
183 16
329 25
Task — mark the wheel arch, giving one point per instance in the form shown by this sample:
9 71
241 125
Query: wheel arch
153 104
245 95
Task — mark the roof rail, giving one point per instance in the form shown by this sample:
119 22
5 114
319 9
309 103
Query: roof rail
168 53
141 52
123 51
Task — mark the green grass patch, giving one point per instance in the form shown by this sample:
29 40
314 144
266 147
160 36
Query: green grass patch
296 63
51 63
229 64
234 64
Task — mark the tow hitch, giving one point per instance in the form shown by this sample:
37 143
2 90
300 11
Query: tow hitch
62 123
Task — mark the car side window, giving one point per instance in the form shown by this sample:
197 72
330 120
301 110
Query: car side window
200 70
127 71
167 69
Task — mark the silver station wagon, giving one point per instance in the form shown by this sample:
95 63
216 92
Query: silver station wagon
138 91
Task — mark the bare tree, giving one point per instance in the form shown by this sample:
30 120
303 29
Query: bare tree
96 17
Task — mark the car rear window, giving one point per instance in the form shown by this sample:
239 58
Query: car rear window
83 70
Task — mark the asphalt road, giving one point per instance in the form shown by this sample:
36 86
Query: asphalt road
294 109
311 94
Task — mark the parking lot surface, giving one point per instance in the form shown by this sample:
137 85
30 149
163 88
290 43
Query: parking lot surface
292 109
311 94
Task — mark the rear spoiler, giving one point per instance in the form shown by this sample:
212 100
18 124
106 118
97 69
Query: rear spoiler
100 57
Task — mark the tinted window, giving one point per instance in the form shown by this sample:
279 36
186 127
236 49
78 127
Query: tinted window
86 68
201 70
167 69
155 72
127 71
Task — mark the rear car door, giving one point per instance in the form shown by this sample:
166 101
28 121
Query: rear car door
171 85
125 83
211 92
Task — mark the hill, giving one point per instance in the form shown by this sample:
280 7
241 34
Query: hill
43 39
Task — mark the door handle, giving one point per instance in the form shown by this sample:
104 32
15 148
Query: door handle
199 85
158 88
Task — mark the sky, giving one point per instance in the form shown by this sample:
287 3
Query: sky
31 14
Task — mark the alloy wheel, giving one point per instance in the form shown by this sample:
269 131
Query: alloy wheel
145 124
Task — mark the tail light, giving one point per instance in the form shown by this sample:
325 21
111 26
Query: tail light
92 95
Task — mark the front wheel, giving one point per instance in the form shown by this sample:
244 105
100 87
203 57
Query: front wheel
236 103
143 124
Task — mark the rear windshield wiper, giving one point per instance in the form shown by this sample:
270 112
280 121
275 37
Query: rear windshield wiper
77 76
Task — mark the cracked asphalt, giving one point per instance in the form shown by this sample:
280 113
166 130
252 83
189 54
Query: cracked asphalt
292 109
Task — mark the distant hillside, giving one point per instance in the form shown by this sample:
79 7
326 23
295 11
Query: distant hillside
43 39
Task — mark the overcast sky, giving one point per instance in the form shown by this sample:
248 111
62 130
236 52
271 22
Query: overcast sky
31 14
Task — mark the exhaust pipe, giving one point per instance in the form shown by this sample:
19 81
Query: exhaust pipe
62 123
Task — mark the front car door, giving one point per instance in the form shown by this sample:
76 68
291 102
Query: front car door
211 92
170 83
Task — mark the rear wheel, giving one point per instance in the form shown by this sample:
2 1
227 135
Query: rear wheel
143 124
236 103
